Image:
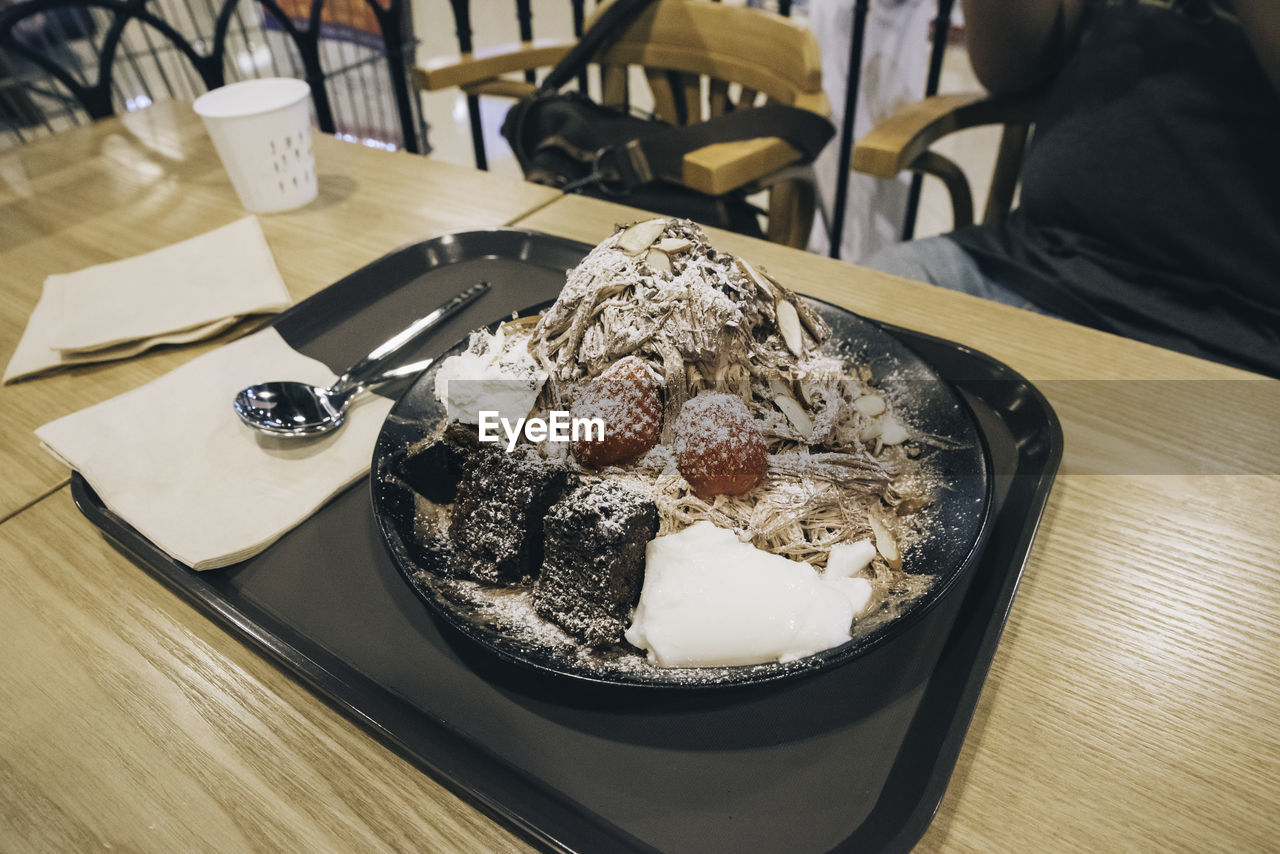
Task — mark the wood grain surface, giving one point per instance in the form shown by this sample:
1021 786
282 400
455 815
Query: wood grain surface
132 723
148 179
1131 706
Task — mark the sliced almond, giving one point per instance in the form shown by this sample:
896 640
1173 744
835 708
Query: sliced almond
789 326
658 261
766 287
870 405
796 415
673 245
791 408
885 543
892 432
813 321
636 238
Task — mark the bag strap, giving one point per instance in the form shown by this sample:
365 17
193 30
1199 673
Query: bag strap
612 21
660 156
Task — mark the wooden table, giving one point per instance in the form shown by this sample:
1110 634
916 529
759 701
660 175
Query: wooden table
1132 704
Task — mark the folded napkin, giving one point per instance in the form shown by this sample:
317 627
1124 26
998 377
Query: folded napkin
173 460
174 295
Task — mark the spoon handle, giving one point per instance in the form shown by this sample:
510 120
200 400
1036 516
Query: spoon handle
365 370
400 372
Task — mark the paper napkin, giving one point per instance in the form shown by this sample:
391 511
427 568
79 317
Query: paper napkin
173 460
181 293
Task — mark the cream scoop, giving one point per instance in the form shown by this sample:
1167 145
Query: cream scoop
709 599
493 374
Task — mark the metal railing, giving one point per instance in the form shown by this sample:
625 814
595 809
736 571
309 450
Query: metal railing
65 62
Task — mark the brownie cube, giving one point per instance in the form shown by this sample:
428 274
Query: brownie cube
593 561
496 519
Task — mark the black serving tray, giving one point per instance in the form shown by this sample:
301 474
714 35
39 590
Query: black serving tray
852 759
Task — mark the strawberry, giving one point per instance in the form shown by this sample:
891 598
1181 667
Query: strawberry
719 448
627 396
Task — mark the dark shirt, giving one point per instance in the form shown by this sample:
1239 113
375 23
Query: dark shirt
1150 201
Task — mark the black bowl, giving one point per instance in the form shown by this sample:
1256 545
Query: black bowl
957 520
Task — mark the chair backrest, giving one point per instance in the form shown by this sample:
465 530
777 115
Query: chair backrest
702 58
697 59
62 61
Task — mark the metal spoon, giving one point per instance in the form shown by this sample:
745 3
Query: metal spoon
288 408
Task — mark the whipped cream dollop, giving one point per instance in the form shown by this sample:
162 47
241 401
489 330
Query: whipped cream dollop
495 373
709 599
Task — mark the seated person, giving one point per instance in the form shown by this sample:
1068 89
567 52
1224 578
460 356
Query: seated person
1150 200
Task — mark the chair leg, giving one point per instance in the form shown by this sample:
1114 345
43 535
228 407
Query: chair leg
477 132
780 206
791 206
946 170
1004 181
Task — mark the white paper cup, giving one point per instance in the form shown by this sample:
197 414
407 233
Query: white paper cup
262 131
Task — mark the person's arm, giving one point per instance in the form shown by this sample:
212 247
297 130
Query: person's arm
1015 45
1261 22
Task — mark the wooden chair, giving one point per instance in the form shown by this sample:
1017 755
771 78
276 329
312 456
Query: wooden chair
699 59
902 142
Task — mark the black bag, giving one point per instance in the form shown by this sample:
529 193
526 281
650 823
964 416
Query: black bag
567 141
